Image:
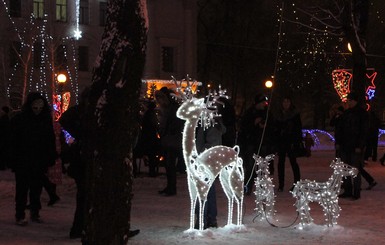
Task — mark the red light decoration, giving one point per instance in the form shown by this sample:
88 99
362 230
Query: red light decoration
60 104
341 83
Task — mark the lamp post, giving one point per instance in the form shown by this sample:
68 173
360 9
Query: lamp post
268 84
61 98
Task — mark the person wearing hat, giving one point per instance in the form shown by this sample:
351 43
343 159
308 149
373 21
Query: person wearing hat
350 143
253 140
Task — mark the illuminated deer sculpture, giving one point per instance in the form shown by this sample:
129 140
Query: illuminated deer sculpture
203 168
325 193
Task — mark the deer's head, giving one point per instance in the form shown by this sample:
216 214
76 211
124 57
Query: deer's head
191 109
343 169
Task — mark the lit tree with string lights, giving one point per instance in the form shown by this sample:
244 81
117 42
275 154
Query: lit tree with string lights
37 57
341 21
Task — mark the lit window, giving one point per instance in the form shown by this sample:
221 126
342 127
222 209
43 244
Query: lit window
38 8
61 10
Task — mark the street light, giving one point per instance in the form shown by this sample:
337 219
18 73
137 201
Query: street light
61 78
268 84
350 48
61 99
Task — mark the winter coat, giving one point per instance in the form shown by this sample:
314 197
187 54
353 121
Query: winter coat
32 141
351 132
289 131
70 121
148 142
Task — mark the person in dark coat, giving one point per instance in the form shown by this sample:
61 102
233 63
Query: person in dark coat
170 131
4 136
372 138
148 143
205 139
289 136
32 151
255 138
350 142
71 121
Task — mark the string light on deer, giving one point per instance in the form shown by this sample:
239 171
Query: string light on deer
325 193
264 188
202 169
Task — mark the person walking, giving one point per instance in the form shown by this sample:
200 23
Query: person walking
289 135
350 143
32 151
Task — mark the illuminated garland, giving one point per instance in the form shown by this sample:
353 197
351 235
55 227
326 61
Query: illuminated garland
202 169
77 32
325 193
313 132
341 82
264 188
40 84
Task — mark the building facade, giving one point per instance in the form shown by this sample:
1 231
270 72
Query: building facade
41 43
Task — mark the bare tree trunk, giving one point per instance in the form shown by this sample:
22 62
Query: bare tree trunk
355 26
111 122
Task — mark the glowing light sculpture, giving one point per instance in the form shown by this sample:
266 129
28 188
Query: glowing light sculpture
325 193
202 169
341 82
264 188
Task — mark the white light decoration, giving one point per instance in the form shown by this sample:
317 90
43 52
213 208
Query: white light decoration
325 193
77 32
264 188
202 169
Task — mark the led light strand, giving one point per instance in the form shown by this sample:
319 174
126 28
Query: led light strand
325 193
202 169
264 188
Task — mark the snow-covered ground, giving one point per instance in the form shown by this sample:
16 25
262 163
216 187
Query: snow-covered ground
164 220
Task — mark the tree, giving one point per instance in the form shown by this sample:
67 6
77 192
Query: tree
110 119
346 19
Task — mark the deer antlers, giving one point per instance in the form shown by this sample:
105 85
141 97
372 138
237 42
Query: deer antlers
209 108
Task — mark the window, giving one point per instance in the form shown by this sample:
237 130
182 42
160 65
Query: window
102 13
15 8
168 59
14 50
60 57
83 12
83 58
61 10
38 8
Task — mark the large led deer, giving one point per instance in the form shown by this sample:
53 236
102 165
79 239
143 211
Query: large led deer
325 193
203 168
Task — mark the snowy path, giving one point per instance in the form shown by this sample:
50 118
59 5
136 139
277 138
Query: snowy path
163 220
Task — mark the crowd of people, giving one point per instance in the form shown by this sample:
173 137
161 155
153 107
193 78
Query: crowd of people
28 146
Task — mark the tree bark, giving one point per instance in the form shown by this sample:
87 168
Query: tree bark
111 122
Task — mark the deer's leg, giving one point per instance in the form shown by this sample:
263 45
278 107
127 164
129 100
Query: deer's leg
192 212
201 212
